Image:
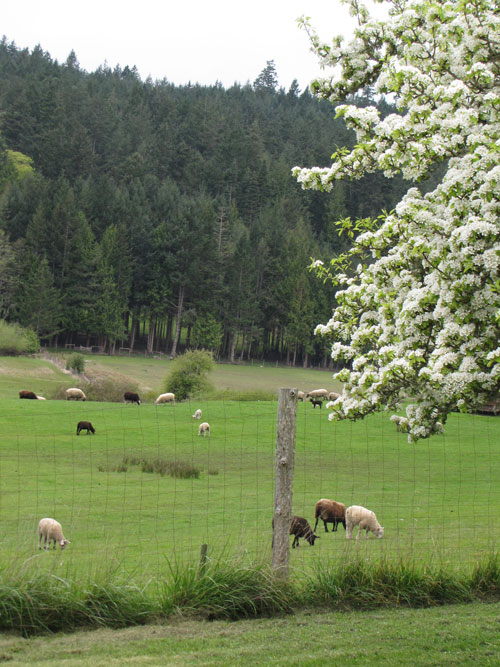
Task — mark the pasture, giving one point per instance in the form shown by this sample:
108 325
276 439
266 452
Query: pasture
438 500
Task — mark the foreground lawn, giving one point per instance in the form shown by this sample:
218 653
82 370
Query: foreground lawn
453 635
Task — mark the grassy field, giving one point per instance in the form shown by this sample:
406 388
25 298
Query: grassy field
456 635
438 500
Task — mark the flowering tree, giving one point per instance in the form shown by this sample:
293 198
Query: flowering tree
418 320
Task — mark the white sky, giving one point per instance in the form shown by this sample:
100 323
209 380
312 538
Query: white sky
181 40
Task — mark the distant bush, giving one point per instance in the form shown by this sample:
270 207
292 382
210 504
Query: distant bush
179 469
15 339
75 362
188 375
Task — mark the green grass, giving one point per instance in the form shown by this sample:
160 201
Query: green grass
458 635
131 525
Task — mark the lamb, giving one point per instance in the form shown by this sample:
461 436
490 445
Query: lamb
27 394
317 393
84 426
329 511
75 394
300 396
51 531
316 401
365 519
165 398
402 423
332 396
197 414
299 527
131 397
204 428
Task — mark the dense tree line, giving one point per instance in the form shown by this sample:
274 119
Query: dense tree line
143 214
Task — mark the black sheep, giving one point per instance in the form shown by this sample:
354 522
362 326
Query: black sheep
85 426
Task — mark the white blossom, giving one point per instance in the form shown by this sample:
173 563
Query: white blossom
420 321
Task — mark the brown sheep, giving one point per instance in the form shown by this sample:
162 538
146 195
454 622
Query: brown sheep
131 397
27 394
299 527
84 426
329 511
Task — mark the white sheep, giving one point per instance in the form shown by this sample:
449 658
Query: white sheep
300 396
75 394
356 515
204 428
51 531
41 398
317 393
332 396
165 398
402 423
197 414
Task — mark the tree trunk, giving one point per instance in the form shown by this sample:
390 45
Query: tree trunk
151 335
306 360
133 332
178 321
232 347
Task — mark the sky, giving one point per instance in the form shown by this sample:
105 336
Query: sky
183 41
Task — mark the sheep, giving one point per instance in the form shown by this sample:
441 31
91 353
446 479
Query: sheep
316 401
51 531
204 428
75 394
41 398
365 519
300 396
402 423
332 396
84 426
131 397
27 394
299 527
197 414
165 398
329 511
317 393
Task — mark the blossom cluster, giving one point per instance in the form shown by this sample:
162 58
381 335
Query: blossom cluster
419 323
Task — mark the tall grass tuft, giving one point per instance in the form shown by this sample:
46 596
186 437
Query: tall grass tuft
222 590
362 585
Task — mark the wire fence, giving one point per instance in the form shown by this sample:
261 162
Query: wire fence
144 492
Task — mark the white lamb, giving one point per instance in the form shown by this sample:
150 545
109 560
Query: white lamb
165 398
356 515
75 394
301 395
402 423
41 398
197 414
204 428
333 395
51 531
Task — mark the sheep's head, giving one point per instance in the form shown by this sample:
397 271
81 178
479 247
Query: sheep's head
63 543
380 532
312 538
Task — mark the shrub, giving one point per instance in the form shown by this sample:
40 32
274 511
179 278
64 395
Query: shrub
15 339
188 375
75 362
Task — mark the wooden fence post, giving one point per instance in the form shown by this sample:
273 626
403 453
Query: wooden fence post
283 490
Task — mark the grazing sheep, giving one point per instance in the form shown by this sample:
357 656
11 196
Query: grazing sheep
41 398
300 396
84 426
131 397
316 401
197 414
204 428
299 527
366 520
402 423
317 393
51 531
165 398
329 511
332 396
27 394
75 394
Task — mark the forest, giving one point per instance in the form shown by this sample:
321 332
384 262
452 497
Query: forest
148 216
